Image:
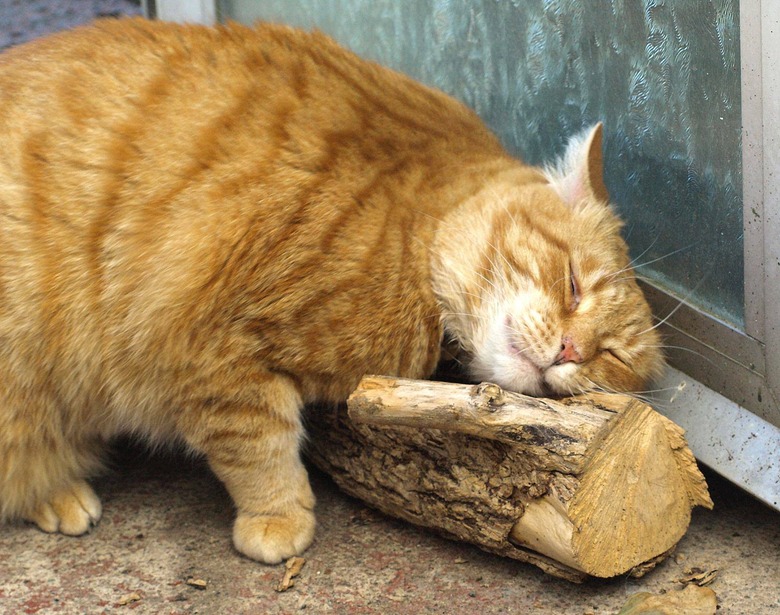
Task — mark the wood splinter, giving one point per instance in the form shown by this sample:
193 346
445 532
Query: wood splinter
597 484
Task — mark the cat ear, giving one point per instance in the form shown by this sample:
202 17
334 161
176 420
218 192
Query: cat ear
579 174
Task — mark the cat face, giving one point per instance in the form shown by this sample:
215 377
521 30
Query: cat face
548 303
563 312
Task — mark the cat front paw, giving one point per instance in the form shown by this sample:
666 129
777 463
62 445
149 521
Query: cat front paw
72 510
274 538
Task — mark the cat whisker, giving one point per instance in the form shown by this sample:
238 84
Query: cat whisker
469 294
503 204
662 321
680 303
524 349
691 350
469 314
633 261
665 256
563 279
627 278
633 265
638 395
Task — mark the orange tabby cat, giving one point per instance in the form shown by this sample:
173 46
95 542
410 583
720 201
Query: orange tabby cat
204 229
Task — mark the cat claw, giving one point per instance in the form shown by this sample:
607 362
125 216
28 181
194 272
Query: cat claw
72 511
274 538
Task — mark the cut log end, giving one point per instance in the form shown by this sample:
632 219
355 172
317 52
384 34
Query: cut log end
592 485
633 501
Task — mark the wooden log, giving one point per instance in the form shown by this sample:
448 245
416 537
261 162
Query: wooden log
597 484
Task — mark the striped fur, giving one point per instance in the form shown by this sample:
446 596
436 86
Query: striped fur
204 229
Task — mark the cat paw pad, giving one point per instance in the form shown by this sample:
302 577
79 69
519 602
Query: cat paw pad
274 538
72 510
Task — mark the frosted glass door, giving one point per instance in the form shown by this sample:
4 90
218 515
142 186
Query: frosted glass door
663 76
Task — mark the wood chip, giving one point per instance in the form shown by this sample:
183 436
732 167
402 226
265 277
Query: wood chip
196 583
364 516
692 600
128 598
293 568
698 576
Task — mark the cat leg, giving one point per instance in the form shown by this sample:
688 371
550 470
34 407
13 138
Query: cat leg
41 479
70 510
252 443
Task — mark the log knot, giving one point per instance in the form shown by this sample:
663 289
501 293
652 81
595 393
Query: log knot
488 397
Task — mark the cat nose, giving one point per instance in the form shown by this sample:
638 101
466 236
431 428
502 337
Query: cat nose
568 353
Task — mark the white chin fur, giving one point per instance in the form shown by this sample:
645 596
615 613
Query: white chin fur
494 361
561 378
514 378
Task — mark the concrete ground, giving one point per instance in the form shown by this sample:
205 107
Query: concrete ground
22 20
167 519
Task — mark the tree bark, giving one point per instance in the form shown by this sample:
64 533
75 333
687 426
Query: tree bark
597 484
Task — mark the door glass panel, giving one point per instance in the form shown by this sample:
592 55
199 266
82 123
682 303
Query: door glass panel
663 76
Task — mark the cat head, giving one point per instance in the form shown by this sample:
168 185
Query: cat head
536 284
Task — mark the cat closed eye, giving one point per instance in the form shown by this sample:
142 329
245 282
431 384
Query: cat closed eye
613 355
574 286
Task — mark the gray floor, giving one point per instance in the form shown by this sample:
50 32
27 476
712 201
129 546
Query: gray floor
167 519
22 20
